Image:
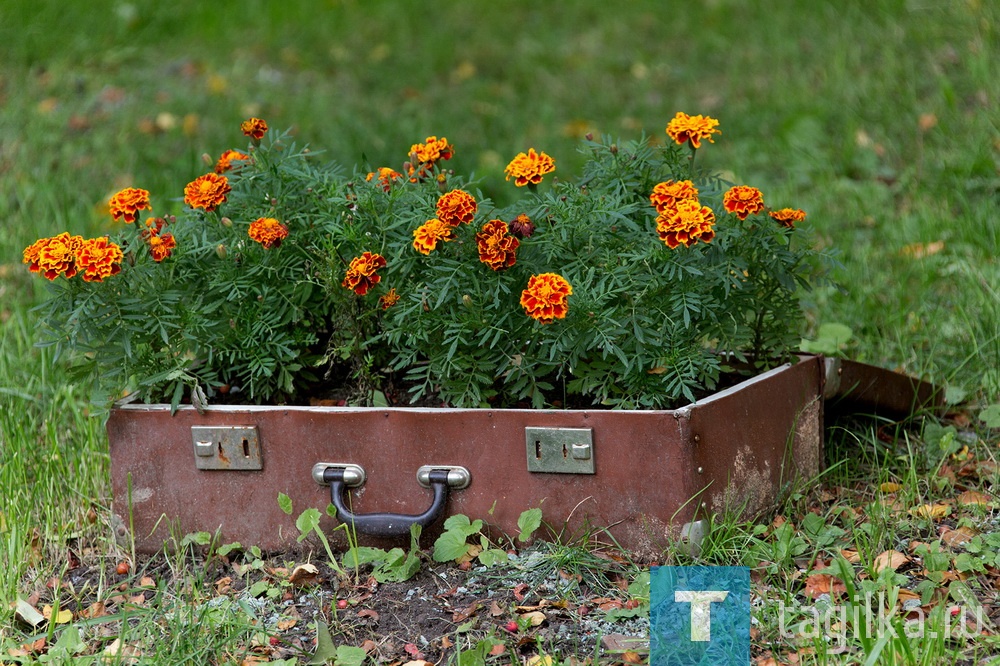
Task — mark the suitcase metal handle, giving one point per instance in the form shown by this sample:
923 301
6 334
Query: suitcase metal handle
438 479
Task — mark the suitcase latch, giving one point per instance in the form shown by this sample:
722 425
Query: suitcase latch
560 450
226 447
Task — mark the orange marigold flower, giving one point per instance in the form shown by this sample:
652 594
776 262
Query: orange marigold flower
456 207
545 298
99 258
788 216
529 167
227 158
666 194
127 204
427 235
497 249
254 128
55 257
692 128
30 254
689 223
389 299
208 191
361 274
431 150
268 232
743 201
386 177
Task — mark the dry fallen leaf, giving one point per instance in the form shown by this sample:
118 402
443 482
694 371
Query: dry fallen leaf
892 559
851 556
890 487
974 497
819 584
285 624
932 511
958 537
304 575
534 617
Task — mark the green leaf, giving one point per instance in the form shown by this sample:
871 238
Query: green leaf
227 548
955 395
285 502
257 588
307 521
348 655
363 555
450 546
197 539
991 416
528 522
492 556
326 651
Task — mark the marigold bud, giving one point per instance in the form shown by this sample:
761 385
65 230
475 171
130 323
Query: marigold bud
226 222
467 300
207 159
221 251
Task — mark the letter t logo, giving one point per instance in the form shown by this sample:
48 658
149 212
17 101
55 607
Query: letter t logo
701 610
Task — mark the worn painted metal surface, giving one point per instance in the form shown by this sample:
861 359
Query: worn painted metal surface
653 471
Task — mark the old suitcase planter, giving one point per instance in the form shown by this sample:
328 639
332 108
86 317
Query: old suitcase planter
637 286
642 474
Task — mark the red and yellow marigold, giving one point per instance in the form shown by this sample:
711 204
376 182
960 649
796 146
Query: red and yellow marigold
361 274
497 249
389 299
54 256
255 128
528 168
546 297
689 223
98 258
267 231
456 207
743 201
208 191
431 151
386 177
127 203
666 194
788 216
160 244
427 235
227 158
684 128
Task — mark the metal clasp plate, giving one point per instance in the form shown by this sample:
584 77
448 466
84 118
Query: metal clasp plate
560 450
226 447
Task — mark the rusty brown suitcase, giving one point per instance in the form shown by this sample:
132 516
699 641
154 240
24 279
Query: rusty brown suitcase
646 476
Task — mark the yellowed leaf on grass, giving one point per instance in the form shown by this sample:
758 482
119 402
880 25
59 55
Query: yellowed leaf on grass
906 595
535 618
921 250
890 487
851 556
61 617
892 559
285 624
974 497
932 511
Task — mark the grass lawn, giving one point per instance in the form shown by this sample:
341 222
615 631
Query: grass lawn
878 118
